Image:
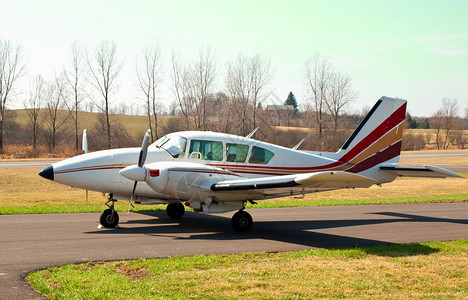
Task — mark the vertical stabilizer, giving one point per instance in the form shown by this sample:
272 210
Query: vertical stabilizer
378 138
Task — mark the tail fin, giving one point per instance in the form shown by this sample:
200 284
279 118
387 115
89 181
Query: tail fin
378 138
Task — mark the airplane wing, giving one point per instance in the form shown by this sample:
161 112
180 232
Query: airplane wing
320 180
424 171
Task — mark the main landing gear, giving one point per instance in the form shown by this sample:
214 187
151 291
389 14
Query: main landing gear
109 217
175 210
242 221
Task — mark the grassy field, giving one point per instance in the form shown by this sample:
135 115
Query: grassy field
136 126
426 270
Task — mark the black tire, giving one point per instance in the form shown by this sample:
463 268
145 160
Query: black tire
242 221
109 219
175 210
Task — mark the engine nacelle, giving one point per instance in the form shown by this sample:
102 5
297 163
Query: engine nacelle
157 177
184 181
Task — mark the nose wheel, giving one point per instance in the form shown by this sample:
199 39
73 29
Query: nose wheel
242 221
109 217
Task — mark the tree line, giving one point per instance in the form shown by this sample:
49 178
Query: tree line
53 104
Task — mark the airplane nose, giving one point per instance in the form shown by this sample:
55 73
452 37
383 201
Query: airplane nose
47 172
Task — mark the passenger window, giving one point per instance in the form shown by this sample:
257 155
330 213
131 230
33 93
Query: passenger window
260 156
209 150
236 152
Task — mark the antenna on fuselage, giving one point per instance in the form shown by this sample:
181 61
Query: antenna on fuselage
298 144
252 133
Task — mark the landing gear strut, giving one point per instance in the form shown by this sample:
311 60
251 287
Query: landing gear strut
242 221
175 210
109 217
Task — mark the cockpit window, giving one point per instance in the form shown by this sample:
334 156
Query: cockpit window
260 156
175 145
206 150
236 152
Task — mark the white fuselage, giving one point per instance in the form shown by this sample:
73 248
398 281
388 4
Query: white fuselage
99 171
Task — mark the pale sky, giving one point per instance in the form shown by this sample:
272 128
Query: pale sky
416 50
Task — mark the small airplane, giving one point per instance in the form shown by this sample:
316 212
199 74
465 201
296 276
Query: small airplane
215 172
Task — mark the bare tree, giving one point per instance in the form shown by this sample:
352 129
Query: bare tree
104 69
74 73
204 72
238 88
11 68
317 75
192 84
178 88
340 94
149 73
246 80
260 76
33 108
172 110
56 117
445 122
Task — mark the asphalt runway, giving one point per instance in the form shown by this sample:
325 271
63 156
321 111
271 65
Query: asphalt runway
31 242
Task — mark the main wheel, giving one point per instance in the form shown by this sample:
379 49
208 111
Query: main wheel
175 210
242 221
109 218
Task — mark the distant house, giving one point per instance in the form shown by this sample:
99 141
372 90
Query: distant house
280 112
280 107
270 99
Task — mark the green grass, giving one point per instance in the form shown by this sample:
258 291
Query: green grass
462 197
53 209
425 270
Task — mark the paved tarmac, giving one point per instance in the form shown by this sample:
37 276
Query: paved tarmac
30 242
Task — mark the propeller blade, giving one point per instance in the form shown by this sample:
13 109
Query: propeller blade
85 142
133 195
144 149
140 171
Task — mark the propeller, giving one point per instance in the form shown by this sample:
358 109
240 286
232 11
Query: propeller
141 162
85 142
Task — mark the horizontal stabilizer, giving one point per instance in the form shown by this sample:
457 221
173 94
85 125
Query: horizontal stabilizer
425 171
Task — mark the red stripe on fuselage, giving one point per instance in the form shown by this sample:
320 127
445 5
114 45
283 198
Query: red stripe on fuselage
94 168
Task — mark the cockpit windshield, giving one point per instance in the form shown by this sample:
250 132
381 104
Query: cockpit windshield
174 145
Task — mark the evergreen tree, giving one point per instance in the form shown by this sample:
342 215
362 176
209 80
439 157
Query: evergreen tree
410 122
425 124
291 100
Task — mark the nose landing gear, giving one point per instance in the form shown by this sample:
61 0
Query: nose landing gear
109 217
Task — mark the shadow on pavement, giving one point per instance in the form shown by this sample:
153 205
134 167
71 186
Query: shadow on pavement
210 227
